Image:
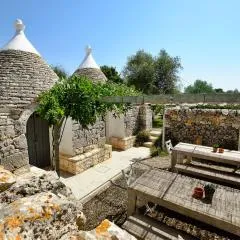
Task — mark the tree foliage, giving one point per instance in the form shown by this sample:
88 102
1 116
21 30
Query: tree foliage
112 74
60 71
199 86
218 90
167 69
80 99
153 75
139 71
233 91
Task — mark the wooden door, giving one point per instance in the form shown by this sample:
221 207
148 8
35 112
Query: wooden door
38 141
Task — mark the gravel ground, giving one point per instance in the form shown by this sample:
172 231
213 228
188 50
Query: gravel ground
112 203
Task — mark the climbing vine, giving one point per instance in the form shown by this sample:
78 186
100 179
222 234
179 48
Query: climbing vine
80 99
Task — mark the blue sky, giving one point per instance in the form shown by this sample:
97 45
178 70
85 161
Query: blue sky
205 34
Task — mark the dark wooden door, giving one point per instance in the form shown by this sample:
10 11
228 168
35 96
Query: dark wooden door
38 141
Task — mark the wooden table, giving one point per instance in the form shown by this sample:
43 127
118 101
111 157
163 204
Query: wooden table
182 150
174 191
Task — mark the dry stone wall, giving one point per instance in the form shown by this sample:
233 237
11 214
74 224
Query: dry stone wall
13 143
203 126
131 121
138 118
85 140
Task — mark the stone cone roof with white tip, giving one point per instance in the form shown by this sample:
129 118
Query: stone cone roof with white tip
19 40
23 73
90 69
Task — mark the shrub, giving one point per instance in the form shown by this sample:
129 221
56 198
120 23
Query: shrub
153 151
157 151
157 123
142 137
157 109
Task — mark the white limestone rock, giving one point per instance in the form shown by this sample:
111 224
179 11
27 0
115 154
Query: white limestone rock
6 179
42 216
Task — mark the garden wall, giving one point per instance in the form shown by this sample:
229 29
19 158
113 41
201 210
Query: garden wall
203 126
136 119
85 140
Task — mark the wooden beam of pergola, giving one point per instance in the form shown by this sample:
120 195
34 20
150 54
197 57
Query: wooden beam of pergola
214 98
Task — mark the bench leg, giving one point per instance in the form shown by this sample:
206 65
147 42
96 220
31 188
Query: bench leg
132 198
173 160
180 158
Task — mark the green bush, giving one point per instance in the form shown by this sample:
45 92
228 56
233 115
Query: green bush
157 109
142 137
154 151
157 151
157 123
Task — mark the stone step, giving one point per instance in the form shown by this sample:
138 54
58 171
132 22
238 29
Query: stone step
210 174
156 133
148 144
213 166
153 139
145 228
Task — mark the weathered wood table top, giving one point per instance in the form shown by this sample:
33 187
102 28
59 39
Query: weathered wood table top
174 191
204 152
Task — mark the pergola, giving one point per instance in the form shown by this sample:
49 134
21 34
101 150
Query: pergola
179 99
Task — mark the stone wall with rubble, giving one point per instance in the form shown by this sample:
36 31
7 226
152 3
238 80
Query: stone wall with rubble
85 140
13 143
203 126
138 118
131 121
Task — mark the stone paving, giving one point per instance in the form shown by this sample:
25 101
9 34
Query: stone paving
88 181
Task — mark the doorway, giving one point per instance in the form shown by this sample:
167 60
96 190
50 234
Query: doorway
38 141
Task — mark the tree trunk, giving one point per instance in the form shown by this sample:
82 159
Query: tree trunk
56 143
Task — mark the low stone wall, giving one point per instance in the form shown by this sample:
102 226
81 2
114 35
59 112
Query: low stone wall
82 162
122 143
203 126
85 140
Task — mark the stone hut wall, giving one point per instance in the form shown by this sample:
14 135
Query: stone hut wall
13 142
203 126
85 140
23 76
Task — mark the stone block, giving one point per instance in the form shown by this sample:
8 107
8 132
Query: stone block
20 142
6 179
84 161
15 161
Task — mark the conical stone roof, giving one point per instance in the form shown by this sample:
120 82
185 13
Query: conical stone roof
23 73
90 69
